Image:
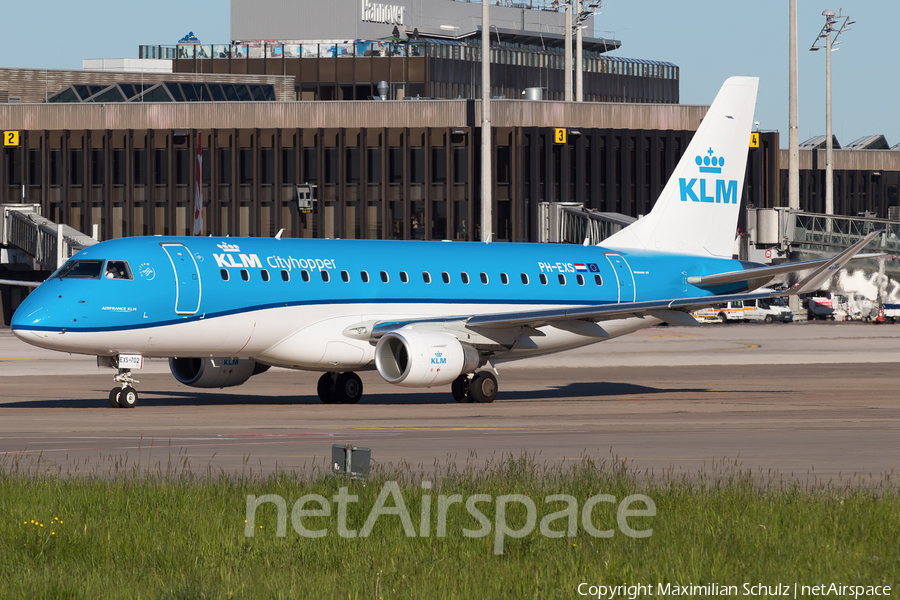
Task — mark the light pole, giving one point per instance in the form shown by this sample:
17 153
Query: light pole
580 17
487 219
830 26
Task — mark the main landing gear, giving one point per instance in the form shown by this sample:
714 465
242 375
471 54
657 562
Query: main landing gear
480 387
124 396
340 388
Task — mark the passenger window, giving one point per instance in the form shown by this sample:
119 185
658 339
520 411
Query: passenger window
364 275
543 279
118 269
404 277
465 277
385 277
580 279
598 280
304 275
345 276
82 269
245 274
484 278
426 276
264 274
326 277
562 279
445 276
525 278
504 278
224 273
285 276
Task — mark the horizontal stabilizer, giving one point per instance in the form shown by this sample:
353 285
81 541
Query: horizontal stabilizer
815 279
708 281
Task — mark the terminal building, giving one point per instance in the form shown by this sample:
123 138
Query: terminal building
378 107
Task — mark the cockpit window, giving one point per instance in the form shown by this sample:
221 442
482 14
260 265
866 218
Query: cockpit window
81 269
117 269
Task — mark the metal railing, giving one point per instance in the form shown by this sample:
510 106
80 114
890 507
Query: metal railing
572 223
836 232
46 242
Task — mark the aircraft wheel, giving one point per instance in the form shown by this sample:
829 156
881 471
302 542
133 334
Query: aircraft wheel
460 389
114 397
483 387
348 388
326 388
128 397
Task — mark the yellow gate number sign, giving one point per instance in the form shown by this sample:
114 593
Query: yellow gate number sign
559 136
10 138
754 140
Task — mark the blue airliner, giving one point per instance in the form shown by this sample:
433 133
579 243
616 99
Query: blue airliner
420 313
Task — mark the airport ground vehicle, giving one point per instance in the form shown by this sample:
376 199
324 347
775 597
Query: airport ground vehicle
722 313
768 310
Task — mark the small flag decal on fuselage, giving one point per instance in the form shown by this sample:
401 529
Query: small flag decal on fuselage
593 268
580 267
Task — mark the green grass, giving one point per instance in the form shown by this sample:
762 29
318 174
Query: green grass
139 534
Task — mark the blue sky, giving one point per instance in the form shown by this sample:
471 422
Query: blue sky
709 39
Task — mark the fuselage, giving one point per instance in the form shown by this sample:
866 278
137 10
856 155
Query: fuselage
289 302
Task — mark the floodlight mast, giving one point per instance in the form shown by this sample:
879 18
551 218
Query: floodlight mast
487 217
831 22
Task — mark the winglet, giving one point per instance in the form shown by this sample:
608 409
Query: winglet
814 280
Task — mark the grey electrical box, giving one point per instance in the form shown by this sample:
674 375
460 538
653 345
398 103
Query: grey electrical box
350 460
305 198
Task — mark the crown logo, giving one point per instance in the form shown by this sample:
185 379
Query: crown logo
226 247
710 164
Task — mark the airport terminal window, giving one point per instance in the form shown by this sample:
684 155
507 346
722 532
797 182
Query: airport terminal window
345 276
285 276
598 280
264 274
326 277
445 276
384 277
304 275
543 279
426 276
484 278
364 275
224 273
245 274
404 277
118 269
580 279
504 278
465 277
82 269
525 278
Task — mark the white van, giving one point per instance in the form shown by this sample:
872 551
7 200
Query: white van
768 310
729 311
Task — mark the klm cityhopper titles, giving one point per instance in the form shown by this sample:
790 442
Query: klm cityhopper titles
420 313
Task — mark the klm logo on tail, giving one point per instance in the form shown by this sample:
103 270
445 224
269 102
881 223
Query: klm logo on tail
726 191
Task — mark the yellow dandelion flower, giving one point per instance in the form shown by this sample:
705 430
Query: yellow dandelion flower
32 520
52 533
42 524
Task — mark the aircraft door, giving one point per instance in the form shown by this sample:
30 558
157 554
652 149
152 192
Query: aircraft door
624 277
187 279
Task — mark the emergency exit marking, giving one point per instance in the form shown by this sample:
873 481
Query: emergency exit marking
559 136
754 140
10 138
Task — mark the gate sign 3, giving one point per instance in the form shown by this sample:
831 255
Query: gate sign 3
559 136
10 138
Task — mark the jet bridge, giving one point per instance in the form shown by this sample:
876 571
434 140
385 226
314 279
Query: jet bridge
572 223
47 243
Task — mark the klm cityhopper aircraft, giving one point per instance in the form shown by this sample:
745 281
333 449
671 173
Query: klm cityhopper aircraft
420 313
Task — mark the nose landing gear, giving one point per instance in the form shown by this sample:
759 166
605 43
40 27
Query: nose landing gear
125 396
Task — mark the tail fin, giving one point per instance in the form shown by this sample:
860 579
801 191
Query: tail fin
697 211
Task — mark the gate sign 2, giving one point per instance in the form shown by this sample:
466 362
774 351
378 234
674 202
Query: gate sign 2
754 140
10 138
559 136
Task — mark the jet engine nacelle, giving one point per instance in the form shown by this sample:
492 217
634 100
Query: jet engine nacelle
422 358
214 372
